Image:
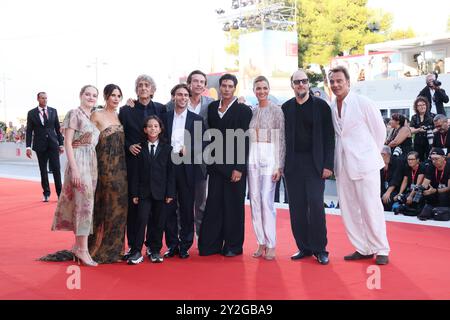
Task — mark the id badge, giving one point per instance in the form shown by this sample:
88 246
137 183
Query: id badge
441 186
386 185
445 150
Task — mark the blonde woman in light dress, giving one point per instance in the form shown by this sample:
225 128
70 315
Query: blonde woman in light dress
74 211
266 161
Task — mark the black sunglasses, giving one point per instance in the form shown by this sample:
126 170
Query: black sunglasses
297 82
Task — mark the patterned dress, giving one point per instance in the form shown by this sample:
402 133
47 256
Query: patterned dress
75 205
106 244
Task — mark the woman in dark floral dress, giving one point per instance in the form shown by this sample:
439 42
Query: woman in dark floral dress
106 244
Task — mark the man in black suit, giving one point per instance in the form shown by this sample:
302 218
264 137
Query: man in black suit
43 132
132 120
185 134
309 161
222 228
435 95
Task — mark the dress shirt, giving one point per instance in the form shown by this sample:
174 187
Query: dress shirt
150 146
196 109
221 114
178 126
41 113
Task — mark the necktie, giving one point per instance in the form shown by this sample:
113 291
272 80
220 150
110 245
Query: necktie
152 152
44 115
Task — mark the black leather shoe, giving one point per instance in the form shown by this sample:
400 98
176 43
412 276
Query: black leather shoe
45 198
322 258
381 260
171 252
155 257
135 258
357 256
301 254
127 255
184 254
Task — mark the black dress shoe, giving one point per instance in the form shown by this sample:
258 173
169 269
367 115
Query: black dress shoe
301 255
45 198
127 255
357 256
155 257
184 254
230 253
135 258
381 260
322 258
171 252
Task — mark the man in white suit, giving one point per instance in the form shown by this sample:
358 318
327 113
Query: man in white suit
360 134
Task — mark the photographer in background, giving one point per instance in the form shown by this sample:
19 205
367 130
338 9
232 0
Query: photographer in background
436 184
399 140
422 127
435 95
390 177
410 197
441 139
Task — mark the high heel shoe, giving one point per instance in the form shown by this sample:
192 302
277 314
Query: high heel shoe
258 253
270 254
77 255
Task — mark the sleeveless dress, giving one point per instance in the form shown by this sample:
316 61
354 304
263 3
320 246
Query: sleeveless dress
75 205
106 244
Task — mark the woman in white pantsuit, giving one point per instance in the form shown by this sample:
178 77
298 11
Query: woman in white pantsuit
265 166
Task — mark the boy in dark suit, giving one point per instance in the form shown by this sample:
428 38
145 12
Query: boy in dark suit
152 187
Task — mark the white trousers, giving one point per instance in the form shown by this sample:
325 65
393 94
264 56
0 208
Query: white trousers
363 213
262 193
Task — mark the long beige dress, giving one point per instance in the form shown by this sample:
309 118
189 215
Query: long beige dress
76 205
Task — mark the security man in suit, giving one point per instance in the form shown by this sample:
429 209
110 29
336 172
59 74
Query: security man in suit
43 135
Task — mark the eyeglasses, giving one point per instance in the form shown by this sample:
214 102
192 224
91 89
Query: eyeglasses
435 158
303 81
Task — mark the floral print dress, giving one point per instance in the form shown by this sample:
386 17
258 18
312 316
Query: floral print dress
76 205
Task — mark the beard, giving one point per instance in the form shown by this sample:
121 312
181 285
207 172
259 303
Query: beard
301 95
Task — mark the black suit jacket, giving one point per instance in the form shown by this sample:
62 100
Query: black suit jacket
153 177
43 137
238 116
194 150
323 135
132 120
440 98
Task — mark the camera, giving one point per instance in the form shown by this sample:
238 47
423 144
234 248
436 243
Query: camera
419 194
401 198
430 135
437 83
397 151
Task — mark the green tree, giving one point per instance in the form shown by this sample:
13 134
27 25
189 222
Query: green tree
328 28
232 46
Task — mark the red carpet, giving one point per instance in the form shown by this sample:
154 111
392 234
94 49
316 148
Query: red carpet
419 267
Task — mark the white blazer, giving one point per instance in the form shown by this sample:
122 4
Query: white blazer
360 139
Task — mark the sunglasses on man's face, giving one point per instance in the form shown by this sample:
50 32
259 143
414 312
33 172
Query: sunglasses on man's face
303 81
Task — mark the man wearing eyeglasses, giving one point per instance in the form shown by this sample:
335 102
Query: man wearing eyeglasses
441 139
436 183
360 134
309 161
